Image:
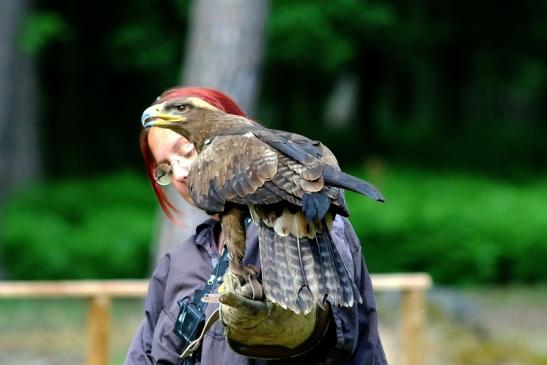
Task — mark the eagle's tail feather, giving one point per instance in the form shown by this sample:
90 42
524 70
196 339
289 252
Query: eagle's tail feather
268 262
298 273
285 270
319 268
294 251
330 274
350 290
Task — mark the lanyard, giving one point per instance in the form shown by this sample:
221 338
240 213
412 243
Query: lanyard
192 313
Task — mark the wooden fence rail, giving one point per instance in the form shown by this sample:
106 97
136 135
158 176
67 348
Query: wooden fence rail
100 294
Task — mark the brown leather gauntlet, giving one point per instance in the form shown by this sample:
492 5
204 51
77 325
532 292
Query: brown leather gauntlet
262 329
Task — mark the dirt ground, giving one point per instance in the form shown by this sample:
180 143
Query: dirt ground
482 326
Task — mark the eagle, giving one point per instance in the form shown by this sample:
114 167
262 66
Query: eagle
290 185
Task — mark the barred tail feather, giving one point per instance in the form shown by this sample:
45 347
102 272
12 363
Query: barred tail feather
329 274
303 300
318 268
268 262
283 277
298 273
350 290
273 264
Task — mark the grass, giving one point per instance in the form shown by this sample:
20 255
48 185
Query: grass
53 331
509 326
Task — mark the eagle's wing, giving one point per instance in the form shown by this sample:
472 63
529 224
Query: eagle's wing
297 147
245 170
232 167
303 150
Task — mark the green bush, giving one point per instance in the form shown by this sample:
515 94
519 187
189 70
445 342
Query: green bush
80 228
459 227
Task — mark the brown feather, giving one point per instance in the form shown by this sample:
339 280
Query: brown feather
312 186
231 177
312 171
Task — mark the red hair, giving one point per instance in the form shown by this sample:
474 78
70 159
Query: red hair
211 96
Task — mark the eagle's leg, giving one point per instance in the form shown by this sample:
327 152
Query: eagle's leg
235 236
233 226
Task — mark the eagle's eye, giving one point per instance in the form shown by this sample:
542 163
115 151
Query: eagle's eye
181 108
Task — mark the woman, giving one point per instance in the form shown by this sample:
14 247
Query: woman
254 328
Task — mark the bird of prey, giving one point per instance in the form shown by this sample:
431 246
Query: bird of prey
290 185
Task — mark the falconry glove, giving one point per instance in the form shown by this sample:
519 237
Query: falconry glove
263 329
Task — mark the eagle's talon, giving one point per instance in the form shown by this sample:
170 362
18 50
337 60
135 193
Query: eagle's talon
247 275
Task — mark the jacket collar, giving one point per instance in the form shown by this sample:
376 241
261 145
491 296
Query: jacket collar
206 232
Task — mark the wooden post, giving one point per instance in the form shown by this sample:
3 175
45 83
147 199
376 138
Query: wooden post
99 328
412 327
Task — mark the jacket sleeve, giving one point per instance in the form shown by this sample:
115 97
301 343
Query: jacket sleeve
141 346
357 337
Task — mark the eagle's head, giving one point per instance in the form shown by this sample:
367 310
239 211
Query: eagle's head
191 112
188 116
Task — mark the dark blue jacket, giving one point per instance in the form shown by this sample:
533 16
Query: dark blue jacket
188 266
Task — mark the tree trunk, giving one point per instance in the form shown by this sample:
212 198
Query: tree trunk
342 101
19 148
224 50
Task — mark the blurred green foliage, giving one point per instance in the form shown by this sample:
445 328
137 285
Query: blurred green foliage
80 228
323 38
42 28
461 228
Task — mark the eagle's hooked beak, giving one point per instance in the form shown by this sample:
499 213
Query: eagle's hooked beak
153 116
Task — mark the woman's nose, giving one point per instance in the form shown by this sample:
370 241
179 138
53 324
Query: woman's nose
180 171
